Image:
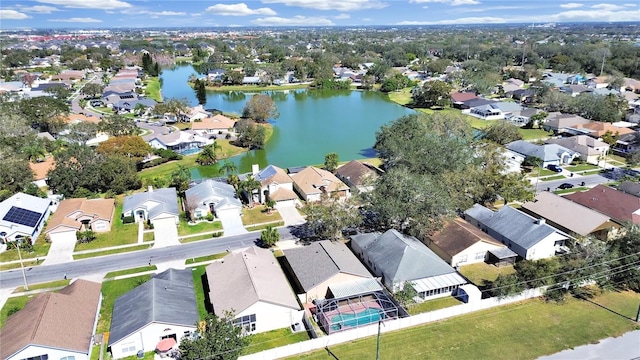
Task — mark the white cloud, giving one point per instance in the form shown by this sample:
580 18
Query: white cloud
163 13
630 5
294 21
40 9
492 8
450 2
77 20
342 16
338 5
240 9
466 20
571 5
89 4
12 15
608 7
591 15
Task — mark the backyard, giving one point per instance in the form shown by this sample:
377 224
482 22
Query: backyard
431 305
479 272
525 330
274 338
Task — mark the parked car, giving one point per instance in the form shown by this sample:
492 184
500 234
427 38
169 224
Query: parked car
554 168
565 186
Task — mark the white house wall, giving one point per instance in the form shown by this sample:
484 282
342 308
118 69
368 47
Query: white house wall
545 248
147 338
474 254
270 316
54 354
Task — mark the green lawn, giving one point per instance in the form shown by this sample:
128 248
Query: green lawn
198 286
13 305
152 89
274 338
25 263
444 111
111 290
40 249
402 97
477 123
533 134
551 178
185 229
205 258
479 272
111 252
525 330
432 305
47 285
130 271
201 237
120 234
264 226
569 191
581 167
543 172
259 215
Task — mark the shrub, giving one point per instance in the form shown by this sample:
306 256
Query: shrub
128 219
209 217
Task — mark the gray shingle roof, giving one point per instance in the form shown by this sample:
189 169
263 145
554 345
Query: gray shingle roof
167 298
166 200
402 258
548 152
319 261
223 195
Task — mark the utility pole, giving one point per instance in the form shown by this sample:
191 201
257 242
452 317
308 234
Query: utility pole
378 340
524 47
604 54
24 275
638 314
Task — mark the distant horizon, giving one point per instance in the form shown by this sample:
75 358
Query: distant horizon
115 14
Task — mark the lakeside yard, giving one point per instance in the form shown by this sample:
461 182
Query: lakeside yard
525 330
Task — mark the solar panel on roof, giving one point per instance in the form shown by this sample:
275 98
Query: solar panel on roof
267 173
22 216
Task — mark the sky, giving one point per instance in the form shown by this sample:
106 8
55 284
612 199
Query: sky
210 13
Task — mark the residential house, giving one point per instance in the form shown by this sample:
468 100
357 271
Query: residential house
598 82
495 111
575 90
275 184
590 149
252 285
530 238
73 215
23 216
54 325
466 105
460 243
597 129
398 259
152 205
521 117
627 143
216 75
554 79
630 187
512 84
217 124
163 307
357 176
317 266
570 217
129 105
619 206
183 142
559 123
523 95
213 197
312 183
631 85
251 80
41 170
111 97
550 154
69 75
458 98
197 113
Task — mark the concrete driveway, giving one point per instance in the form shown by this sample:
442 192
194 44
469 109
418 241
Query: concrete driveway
290 215
231 224
61 250
165 232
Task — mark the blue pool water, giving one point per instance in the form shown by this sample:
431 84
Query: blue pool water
365 317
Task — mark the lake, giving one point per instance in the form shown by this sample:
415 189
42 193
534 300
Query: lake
312 123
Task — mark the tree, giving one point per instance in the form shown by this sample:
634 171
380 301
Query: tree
201 91
270 205
92 89
81 132
260 108
536 120
379 70
502 132
250 135
625 251
132 147
45 113
432 93
208 155
175 106
118 125
406 294
331 162
180 179
269 236
506 285
15 176
248 186
327 219
229 167
33 152
218 339
86 236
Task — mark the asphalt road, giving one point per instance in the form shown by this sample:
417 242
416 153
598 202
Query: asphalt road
589 181
104 264
75 98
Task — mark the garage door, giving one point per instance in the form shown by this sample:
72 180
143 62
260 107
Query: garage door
285 203
165 232
231 222
62 245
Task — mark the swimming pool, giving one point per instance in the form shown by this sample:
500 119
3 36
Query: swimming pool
367 316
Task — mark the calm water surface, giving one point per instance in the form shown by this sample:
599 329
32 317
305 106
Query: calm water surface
312 123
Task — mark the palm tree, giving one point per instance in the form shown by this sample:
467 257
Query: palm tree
250 185
33 152
229 168
233 179
208 155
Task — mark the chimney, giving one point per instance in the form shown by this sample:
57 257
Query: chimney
541 221
255 169
150 188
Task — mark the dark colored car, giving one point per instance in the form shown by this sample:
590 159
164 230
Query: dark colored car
554 168
565 186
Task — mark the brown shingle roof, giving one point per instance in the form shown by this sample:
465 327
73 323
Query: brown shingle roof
462 96
62 320
617 205
215 122
356 172
311 179
459 235
599 128
77 118
70 209
40 169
